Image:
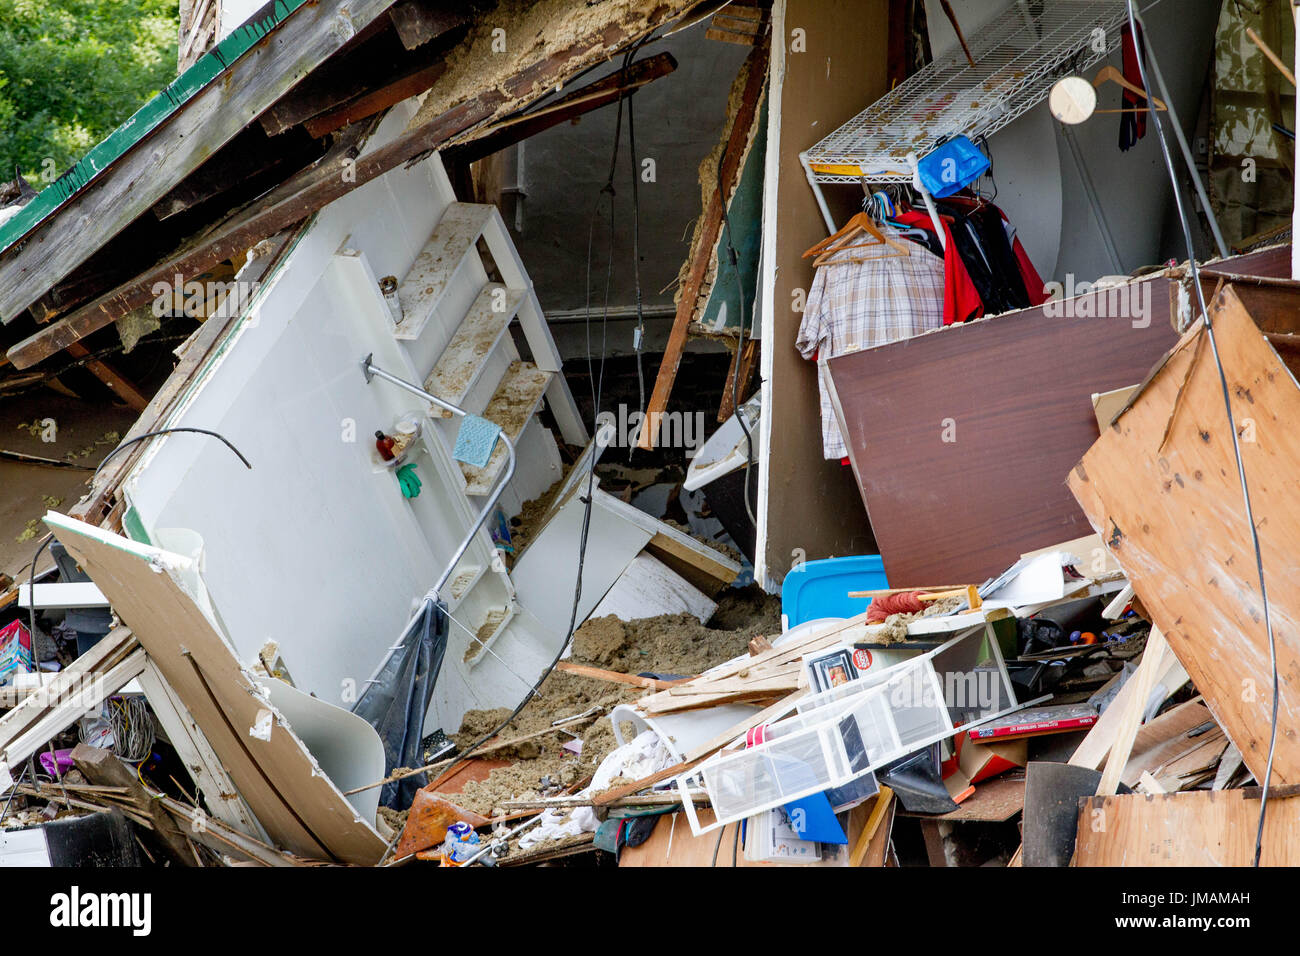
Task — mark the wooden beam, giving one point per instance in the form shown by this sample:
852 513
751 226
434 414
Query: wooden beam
1153 660
1094 749
73 692
121 387
181 143
419 21
703 253
744 361
568 107
250 155
633 680
882 803
374 102
105 768
320 184
377 63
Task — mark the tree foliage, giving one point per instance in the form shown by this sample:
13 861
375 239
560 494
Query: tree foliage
71 71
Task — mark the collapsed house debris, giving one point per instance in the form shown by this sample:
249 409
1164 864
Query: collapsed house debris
393 535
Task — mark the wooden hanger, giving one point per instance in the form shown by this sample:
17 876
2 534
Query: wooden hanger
1108 74
843 240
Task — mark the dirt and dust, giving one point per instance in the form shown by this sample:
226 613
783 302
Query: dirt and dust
895 626
672 644
525 525
504 44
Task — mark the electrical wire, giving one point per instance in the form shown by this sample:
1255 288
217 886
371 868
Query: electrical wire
133 732
597 386
717 846
167 431
31 594
734 258
639 335
1134 21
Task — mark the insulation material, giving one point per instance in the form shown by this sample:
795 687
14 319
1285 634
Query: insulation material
721 312
497 57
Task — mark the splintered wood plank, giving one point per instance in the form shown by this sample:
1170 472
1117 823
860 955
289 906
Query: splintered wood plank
462 361
514 402
451 243
550 64
1196 828
121 387
706 244
1161 488
417 23
171 136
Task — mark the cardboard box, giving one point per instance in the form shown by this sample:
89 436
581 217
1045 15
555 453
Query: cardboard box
983 760
15 652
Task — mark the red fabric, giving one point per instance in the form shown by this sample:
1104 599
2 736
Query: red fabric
1033 281
904 602
1133 126
961 302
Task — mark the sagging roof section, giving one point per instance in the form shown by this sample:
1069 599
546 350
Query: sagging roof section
473 88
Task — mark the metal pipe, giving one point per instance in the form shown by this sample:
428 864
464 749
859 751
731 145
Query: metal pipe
371 370
1150 58
1093 199
928 199
817 192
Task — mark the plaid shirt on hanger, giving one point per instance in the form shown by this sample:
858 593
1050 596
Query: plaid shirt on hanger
860 305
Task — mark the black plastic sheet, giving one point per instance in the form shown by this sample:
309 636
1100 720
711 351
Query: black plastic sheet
396 702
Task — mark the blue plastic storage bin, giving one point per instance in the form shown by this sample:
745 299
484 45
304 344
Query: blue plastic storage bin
821 588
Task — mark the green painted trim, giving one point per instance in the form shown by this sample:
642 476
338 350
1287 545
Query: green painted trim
144 121
745 212
134 527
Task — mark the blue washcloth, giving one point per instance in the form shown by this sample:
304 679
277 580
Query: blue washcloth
476 441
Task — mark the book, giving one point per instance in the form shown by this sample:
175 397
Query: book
1037 721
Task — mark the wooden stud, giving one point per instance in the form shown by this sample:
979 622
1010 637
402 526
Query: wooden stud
705 249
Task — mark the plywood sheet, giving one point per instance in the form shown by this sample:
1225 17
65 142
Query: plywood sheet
1196 828
960 440
297 804
1161 487
838 65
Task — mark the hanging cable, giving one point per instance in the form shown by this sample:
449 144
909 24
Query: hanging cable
1194 271
167 431
597 379
31 595
638 335
734 259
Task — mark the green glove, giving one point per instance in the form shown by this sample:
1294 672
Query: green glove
409 481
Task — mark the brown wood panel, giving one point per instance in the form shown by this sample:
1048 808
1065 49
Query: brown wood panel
1197 828
1161 487
812 509
300 808
961 439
